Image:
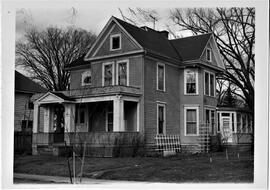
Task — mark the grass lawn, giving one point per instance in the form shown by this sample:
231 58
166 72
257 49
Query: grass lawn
181 168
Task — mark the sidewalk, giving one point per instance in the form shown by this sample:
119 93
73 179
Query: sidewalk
60 179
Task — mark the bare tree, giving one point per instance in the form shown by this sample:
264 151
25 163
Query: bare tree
140 16
44 54
234 30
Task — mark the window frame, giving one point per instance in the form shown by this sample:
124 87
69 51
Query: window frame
209 83
103 74
85 74
77 118
111 42
211 110
185 120
164 116
117 71
210 54
106 122
185 82
218 122
164 76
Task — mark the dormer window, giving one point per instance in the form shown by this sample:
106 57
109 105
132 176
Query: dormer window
86 78
208 55
115 42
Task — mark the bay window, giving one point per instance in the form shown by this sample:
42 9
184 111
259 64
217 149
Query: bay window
191 116
210 120
209 84
191 82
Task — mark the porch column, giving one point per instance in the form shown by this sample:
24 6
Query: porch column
69 120
35 117
138 116
118 114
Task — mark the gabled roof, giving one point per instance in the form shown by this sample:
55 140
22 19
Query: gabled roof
24 84
191 48
157 44
64 97
151 40
53 97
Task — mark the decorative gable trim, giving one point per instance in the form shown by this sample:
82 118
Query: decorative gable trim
112 19
122 28
53 99
104 39
214 51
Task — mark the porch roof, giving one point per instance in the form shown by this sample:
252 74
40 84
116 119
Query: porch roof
237 109
71 95
53 97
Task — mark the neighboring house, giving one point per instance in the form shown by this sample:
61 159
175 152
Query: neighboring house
235 121
235 125
135 81
24 90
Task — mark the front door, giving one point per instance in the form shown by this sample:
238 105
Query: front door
226 126
58 123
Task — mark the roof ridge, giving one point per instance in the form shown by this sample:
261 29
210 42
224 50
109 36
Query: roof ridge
140 27
192 36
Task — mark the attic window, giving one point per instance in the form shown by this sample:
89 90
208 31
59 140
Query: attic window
208 55
115 42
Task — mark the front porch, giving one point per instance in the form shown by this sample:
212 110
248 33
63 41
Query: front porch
103 123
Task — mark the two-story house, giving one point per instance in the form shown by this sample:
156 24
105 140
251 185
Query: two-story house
134 80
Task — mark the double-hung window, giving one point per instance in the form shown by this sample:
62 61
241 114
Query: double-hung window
210 120
161 119
108 74
123 73
191 116
209 84
191 82
160 77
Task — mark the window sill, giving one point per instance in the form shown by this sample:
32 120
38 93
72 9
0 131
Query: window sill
86 84
115 49
210 96
191 94
191 135
161 90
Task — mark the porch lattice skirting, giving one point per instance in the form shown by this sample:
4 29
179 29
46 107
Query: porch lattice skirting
98 144
204 138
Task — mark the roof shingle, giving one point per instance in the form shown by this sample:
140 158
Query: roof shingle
24 84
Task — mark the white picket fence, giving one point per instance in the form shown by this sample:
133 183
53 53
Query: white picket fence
168 142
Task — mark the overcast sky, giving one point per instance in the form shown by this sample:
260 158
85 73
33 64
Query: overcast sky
91 19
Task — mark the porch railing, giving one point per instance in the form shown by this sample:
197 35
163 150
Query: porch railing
98 144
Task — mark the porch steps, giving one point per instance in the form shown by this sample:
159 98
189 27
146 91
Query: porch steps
45 150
